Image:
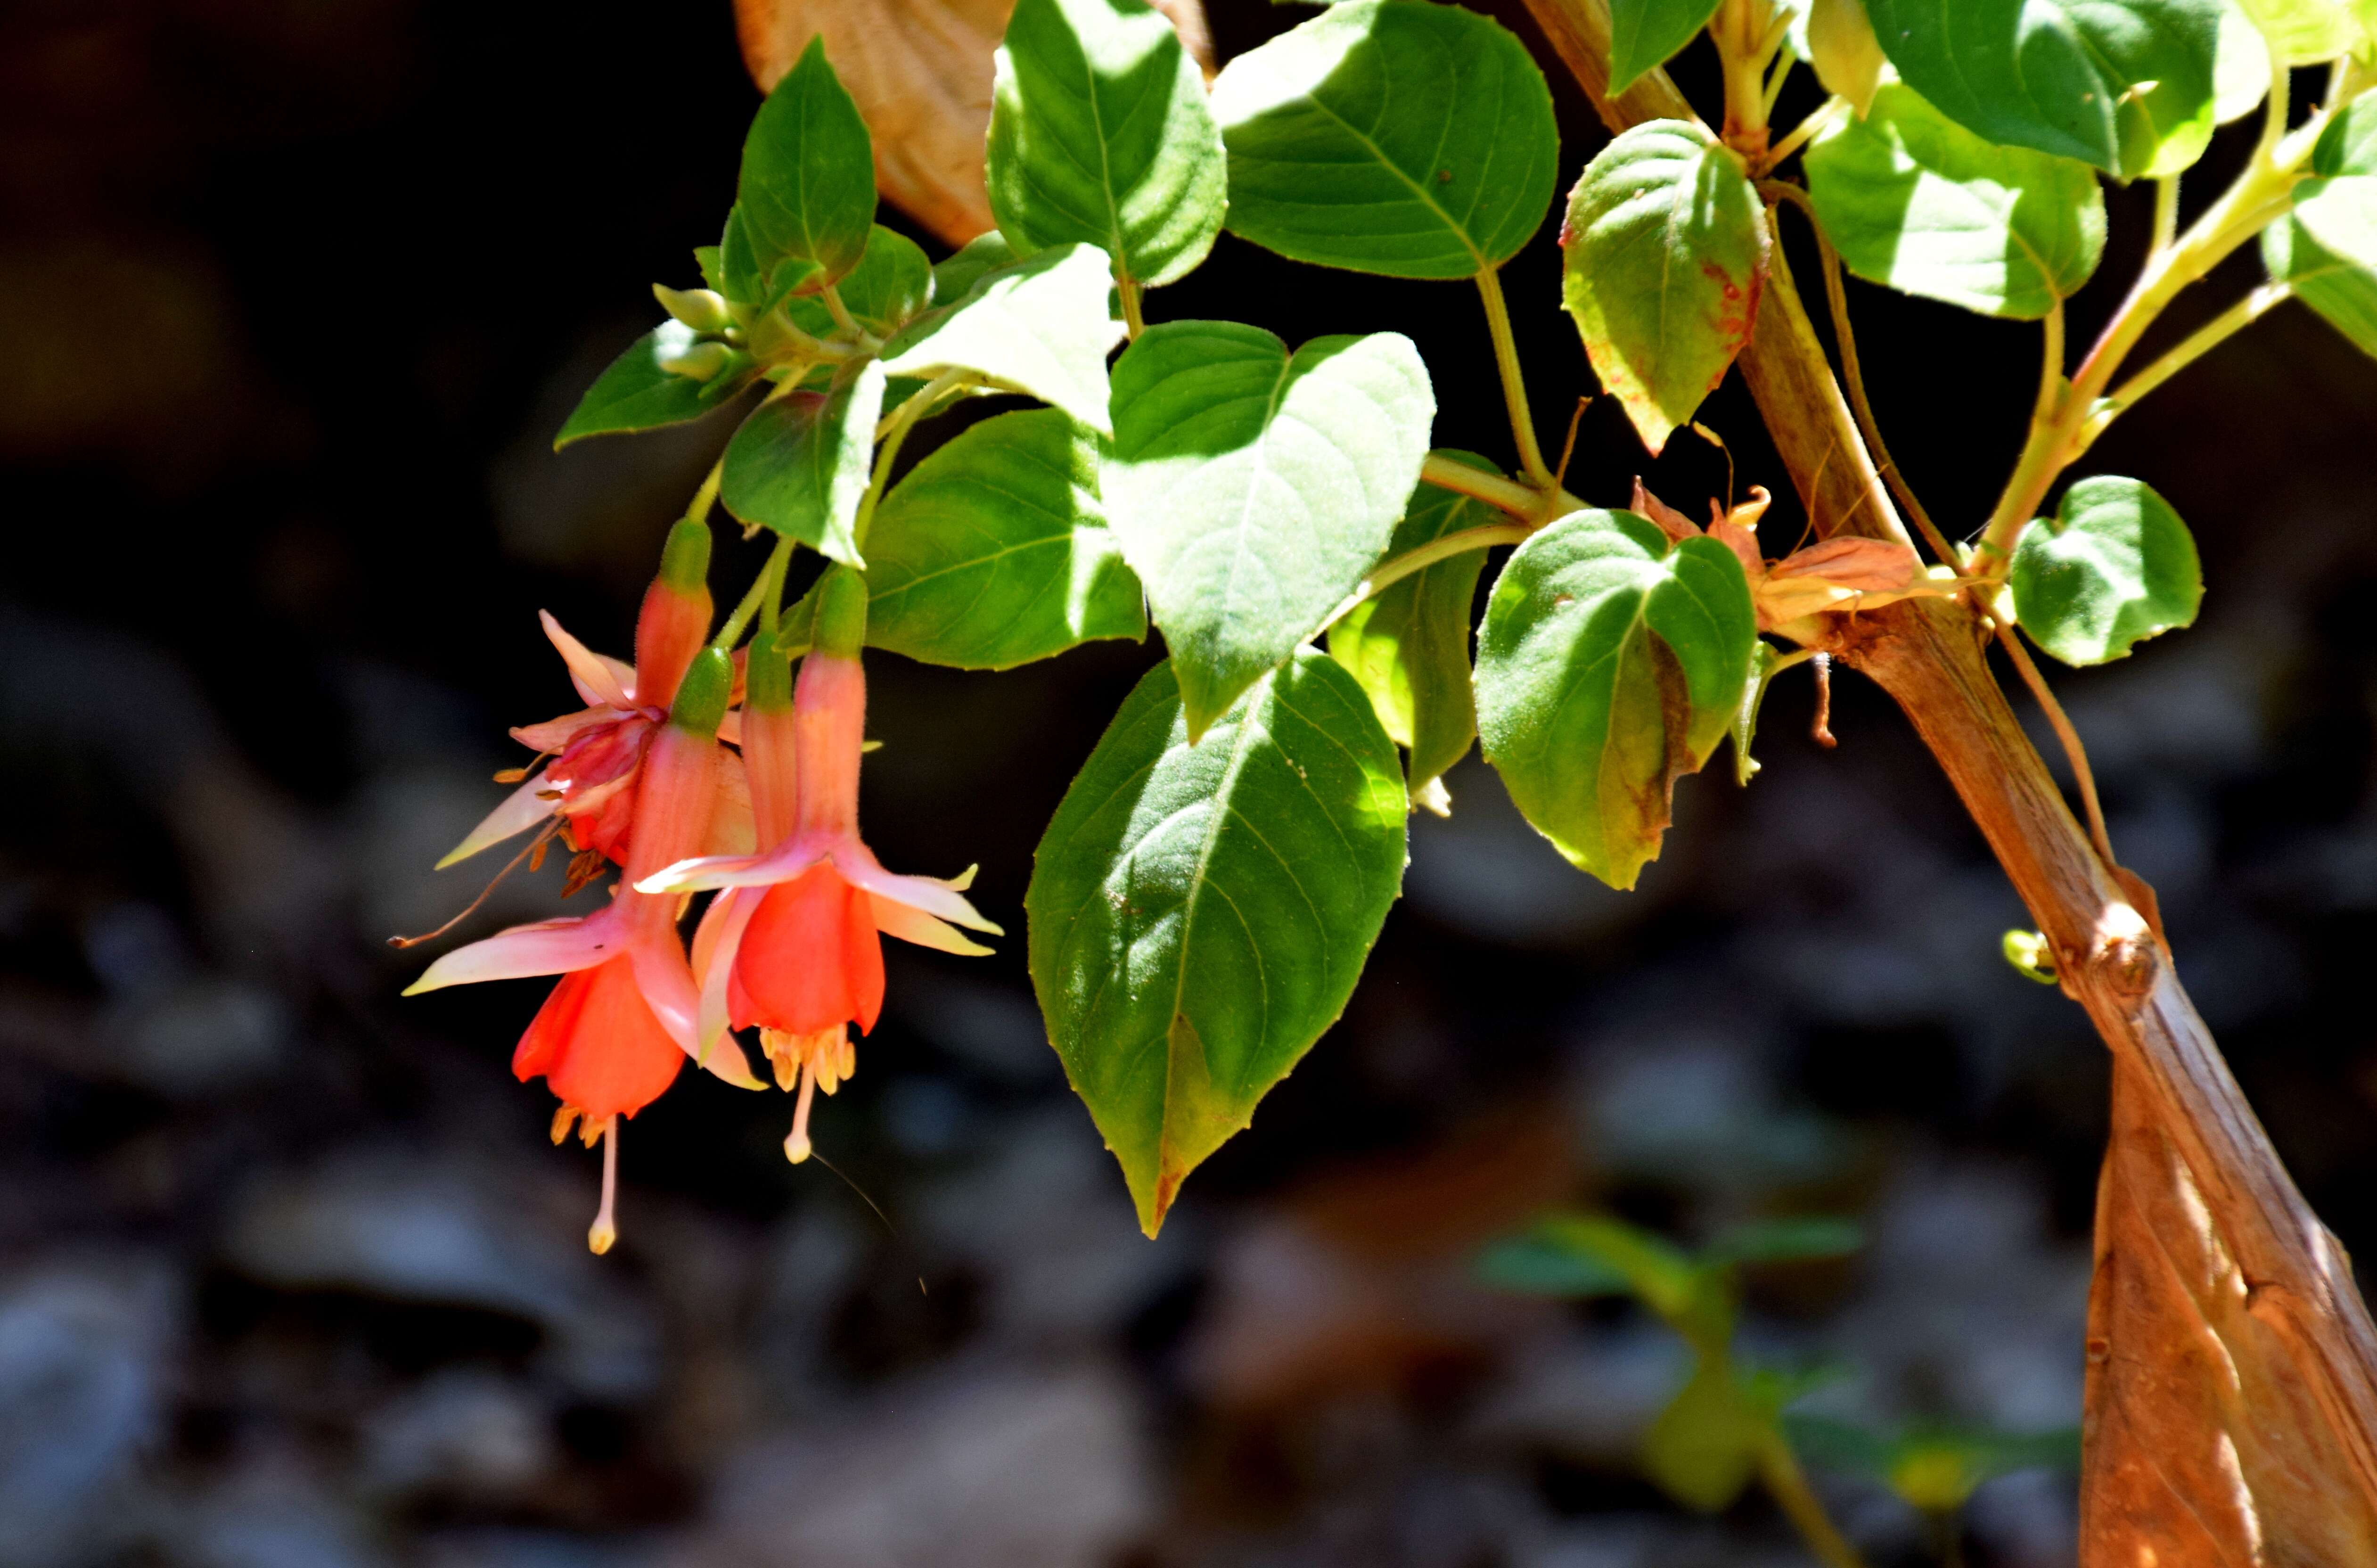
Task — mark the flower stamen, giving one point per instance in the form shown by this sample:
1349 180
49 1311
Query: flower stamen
604 1231
535 849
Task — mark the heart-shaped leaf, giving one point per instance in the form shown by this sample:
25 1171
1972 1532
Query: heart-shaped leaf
1389 135
1252 488
994 551
1099 133
639 393
1912 199
1610 665
1409 645
2113 568
2341 291
800 464
1665 247
1644 33
1200 911
807 186
2125 85
1038 326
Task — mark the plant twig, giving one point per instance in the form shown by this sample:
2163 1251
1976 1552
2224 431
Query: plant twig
1387 573
2165 212
2074 752
1514 385
1533 506
2201 341
1822 115
1778 1468
779 559
1133 322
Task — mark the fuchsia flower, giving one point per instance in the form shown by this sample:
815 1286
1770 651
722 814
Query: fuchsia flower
614 1033
598 751
793 944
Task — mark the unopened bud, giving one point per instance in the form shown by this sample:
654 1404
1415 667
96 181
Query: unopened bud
702 695
702 362
685 559
704 310
2031 956
841 614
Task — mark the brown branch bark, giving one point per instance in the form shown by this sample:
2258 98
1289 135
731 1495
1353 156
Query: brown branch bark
2231 1402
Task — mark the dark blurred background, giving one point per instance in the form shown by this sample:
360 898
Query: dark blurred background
292 296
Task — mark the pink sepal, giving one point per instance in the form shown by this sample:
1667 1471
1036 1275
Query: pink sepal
929 894
715 941
895 919
555 735
549 947
603 682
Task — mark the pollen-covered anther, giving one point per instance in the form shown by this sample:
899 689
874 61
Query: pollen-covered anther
561 1121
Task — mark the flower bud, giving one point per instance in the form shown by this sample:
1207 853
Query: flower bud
685 559
704 310
700 362
702 695
841 614
767 682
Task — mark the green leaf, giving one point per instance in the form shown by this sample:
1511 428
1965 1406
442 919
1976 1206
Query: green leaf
994 551
2240 69
638 393
1389 135
1199 912
1252 488
800 464
2306 32
1542 1265
2114 566
1609 666
1703 1448
1038 326
955 276
2349 146
1099 133
807 185
1644 34
1648 1266
713 270
2342 292
1786 1240
1409 646
2341 215
1845 55
1914 200
1665 252
2125 85
890 286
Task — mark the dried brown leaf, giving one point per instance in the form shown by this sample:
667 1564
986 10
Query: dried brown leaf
921 72
1673 524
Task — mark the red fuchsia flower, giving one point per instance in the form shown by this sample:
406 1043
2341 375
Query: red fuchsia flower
598 751
793 944
616 1030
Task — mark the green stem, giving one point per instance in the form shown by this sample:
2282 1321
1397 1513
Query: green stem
1387 573
2050 367
1747 34
1134 321
761 593
1527 504
1823 114
1783 60
891 434
1514 386
2165 212
698 508
1787 1484
2202 340
839 312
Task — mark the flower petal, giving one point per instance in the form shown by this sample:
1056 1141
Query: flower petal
522 809
861 869
549 947
598 680
896 919
554 734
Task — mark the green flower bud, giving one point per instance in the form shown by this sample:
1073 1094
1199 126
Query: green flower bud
702 696
685 559
841 614
704 310
702 362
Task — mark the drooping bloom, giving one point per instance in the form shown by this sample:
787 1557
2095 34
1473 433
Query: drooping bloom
1846 572
599 751
794 942
621 1022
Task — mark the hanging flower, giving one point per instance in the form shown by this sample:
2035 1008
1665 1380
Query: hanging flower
793 945
598 751
621 1022
1847 573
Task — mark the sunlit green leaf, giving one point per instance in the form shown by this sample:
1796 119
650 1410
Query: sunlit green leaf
889 287
1845 55
1644 33
2241 71
1389 135
2114 566
1914 200
801 462
1100 132
2342 292
1199 912
1608 665
1409 645
2305 32
807 185
955 276
2125 85
1665 247
994 551
639 393
1252 488
1038 326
